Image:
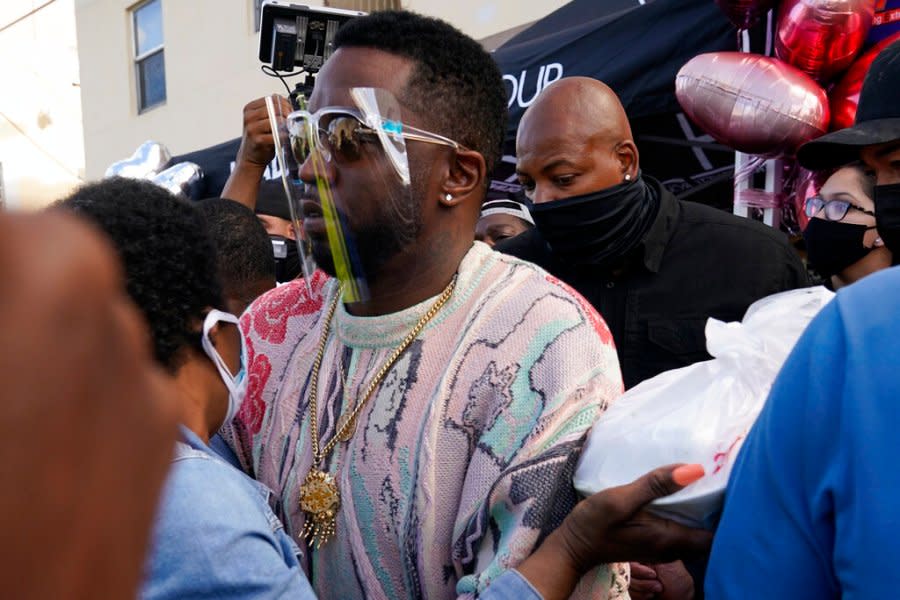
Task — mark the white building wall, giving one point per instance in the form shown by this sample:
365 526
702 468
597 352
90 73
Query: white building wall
41 147
482 18
211 68
211 72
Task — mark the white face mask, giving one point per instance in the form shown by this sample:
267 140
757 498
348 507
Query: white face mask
236 384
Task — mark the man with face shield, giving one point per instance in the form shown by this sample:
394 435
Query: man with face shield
214 534
419 406
656 268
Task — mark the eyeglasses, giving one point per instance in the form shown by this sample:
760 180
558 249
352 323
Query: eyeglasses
835 210
341 134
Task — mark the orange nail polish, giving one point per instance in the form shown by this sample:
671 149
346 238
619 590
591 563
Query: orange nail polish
687 474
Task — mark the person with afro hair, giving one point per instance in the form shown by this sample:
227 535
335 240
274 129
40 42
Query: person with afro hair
243 251
215 535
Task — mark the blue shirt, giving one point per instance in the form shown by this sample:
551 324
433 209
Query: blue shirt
813 505
216 537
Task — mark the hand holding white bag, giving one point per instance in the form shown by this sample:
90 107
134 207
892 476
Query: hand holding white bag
700 413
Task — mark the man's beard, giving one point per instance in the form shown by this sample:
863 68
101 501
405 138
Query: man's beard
372 245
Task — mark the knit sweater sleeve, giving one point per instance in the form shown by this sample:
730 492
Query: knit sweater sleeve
569 374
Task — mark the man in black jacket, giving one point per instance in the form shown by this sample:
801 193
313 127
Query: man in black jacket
655 267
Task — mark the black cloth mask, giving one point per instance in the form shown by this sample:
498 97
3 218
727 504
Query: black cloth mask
832 246
599 228
287 258
887 216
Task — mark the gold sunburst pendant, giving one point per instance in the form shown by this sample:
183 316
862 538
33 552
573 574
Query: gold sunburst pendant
320 500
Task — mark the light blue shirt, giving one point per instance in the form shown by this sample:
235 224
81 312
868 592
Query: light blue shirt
813 506
216 537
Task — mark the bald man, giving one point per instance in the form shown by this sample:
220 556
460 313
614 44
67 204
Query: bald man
656 268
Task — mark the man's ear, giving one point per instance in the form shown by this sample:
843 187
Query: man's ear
466 175
627 155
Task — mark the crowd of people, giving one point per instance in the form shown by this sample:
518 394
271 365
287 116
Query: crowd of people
420 441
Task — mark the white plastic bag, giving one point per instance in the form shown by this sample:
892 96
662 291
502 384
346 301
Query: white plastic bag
700 413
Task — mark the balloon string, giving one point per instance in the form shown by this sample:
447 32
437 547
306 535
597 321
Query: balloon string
748 169
754 198
759 199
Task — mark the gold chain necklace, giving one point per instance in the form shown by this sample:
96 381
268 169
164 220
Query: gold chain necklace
320 497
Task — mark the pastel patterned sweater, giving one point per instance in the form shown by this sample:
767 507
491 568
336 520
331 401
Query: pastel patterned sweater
462 459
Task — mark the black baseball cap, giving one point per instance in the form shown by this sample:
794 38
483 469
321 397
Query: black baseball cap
877 117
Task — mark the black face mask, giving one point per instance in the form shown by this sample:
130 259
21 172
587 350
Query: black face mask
887 216
600 228
287 258
832 246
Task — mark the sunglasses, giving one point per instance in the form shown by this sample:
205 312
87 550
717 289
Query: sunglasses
341 134
835 210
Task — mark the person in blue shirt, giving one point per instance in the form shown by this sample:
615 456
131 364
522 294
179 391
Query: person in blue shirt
813 505
215 535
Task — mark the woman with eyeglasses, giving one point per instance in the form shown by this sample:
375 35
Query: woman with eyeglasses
842 243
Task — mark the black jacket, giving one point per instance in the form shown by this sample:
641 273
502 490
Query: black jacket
694 262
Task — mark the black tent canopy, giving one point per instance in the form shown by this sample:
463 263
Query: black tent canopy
636 48
216 163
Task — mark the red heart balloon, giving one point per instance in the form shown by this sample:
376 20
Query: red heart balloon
752 103
745 13
821 37
845 95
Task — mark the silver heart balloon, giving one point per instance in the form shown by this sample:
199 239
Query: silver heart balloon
149 159
181 179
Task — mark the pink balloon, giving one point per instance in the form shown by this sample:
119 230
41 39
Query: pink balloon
822 37
745 13
752 103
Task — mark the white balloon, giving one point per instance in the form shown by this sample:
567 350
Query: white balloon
149 159
180 179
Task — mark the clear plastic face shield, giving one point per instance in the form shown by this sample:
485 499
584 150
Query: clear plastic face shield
356 207
290 180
